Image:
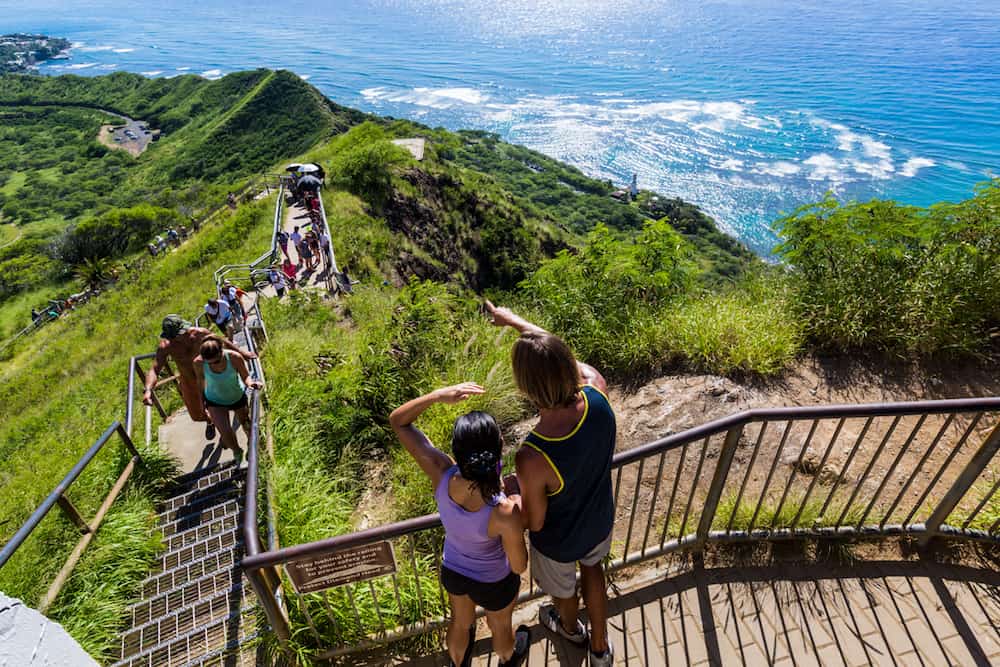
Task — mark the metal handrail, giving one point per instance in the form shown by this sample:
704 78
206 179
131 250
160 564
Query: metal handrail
58 495
722 425
701 527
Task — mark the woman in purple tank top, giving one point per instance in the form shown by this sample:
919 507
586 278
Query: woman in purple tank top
484 549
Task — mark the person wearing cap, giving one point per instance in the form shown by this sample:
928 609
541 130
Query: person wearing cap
234 295
220 313
181 341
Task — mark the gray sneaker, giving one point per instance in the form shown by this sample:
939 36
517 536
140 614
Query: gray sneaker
606 659
549 617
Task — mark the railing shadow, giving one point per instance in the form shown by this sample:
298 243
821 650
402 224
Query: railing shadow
879 613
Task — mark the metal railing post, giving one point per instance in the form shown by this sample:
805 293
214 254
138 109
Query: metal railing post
975 467
275 614
729 446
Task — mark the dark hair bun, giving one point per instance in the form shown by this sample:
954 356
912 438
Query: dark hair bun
479 463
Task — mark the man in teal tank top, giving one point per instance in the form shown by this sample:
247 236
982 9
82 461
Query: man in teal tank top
564 477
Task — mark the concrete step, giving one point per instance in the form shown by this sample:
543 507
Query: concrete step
235 654
194 475
190 634
206 481
196 495
185 595
199 503
193 519
192 552
161 582
203 531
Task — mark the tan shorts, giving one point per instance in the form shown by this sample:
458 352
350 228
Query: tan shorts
559 579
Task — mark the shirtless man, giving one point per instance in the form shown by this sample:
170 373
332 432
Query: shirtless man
181 341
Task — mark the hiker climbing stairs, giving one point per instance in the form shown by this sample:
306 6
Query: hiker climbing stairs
196 607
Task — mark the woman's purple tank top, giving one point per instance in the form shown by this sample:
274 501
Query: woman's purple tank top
468 549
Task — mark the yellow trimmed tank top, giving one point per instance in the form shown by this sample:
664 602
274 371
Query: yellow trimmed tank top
581 511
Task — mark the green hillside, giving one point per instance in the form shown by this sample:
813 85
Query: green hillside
637 288
54 175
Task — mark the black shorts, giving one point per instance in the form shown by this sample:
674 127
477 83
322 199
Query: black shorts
242 403
492 596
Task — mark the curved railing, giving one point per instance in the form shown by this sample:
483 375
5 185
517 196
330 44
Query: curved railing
920 469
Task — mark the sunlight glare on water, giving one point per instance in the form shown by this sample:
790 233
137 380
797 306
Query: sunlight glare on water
746 107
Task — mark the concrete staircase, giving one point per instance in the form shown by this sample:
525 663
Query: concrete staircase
196 608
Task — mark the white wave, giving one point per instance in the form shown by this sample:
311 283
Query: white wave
305 77
212 74
732 164
437 98
91 49
108 66
915 164
875 149
77 45
81 65
154 72
125 50
878 170
781 168
183 69
960 166
825 167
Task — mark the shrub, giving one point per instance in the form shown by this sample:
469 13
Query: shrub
899 278
363 161
606 300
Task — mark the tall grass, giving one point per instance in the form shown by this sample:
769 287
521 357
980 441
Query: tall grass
748 328
772 514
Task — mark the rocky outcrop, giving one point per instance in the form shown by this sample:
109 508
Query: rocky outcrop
28 638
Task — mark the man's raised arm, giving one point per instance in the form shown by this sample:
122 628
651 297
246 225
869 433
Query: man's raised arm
505 317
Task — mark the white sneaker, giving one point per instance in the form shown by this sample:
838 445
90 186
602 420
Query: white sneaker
548 616
606 659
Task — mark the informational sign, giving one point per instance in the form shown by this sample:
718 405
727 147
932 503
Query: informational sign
342 567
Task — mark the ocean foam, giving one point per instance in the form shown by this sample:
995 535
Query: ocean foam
436 98
92 49
212 74
183 69
825 167
154 72
125 50
780 169
81 65
915 164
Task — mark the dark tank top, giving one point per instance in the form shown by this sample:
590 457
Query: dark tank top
581 511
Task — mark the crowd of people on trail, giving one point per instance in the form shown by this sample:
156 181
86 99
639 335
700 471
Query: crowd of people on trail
171 237
560 492
56 308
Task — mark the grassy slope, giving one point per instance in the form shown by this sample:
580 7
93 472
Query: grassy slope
215 134
62 390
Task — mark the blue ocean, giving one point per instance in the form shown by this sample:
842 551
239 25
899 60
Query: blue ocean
746 107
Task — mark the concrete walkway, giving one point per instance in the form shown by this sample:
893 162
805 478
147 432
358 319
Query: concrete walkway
185 440
296 216
885 613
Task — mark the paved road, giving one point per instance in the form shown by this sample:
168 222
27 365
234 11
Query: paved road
134 136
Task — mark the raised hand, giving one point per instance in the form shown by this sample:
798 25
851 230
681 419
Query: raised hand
505 317
500 316
458 392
